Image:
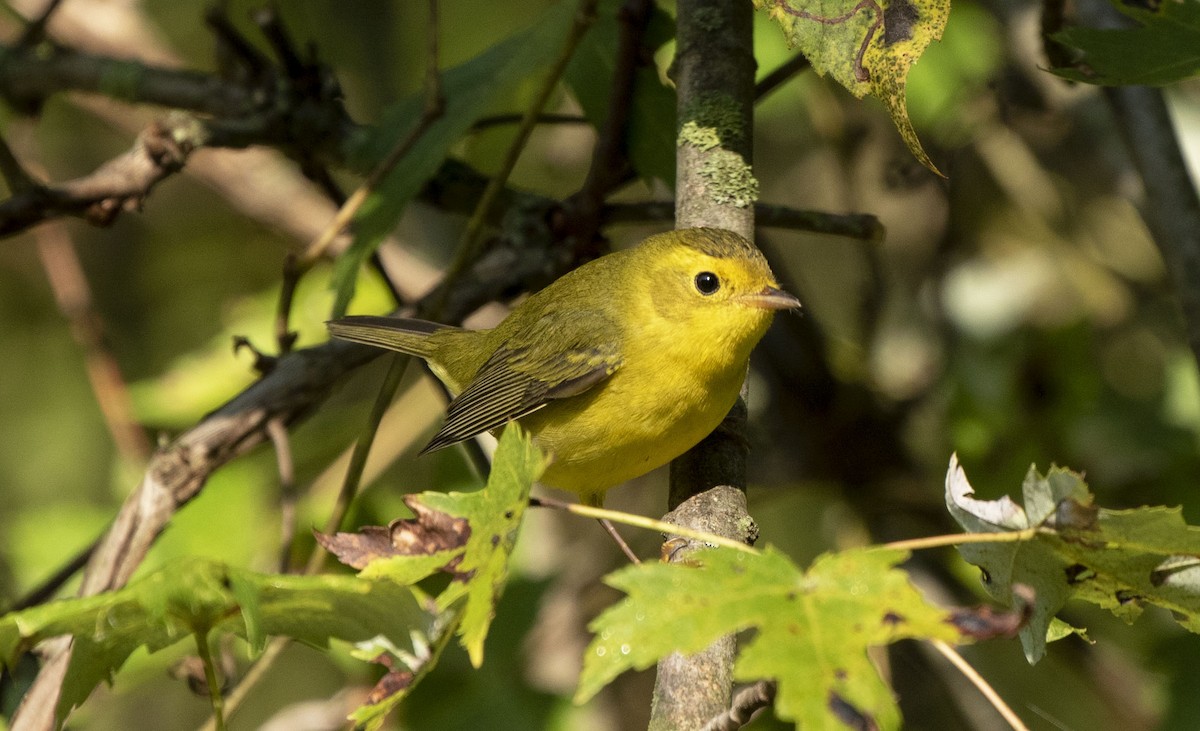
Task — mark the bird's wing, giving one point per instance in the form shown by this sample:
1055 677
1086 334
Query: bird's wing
560 356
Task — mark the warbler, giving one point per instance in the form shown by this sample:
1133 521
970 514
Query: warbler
615 368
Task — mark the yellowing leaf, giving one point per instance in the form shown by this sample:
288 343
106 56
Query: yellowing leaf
814 626
868 46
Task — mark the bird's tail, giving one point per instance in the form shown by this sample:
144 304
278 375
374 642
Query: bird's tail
394 333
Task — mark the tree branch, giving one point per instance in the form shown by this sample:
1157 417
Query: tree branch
295 107
779 75
29 76
714 74
121 184
296 386
1170 206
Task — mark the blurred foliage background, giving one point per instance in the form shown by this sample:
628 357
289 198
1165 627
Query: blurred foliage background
1015 313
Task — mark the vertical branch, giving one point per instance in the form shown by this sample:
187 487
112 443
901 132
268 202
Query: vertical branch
1171 205
73 295
714 74
278 434
74 299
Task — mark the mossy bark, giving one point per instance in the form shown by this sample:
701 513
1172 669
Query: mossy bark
714 74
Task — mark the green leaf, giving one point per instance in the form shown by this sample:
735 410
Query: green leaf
1118 559
470 90
650 135
470 535
868 47
814 627
195 598
1163 49
495 513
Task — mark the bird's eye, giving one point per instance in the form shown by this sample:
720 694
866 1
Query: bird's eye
707 283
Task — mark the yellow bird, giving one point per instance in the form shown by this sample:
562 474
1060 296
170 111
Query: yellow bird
616 368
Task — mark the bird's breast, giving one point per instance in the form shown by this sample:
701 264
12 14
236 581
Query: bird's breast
653 409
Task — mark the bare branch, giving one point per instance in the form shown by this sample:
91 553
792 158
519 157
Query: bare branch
782 73
610 163
547 118
74 298
714 67
278 434
1170 206
30 76
119 185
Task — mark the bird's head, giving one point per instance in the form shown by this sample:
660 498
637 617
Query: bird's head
713 282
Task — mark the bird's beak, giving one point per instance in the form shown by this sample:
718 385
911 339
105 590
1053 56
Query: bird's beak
771 298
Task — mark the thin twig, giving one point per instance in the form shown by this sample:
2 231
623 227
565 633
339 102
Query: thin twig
358 457
1171 206
777 77
232 46
981 684
285 337
46 590
278 434
546 118
249 680
1053 20
74 298
610 163
958 539
73 295
611 530
319 173
639 521
268 21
